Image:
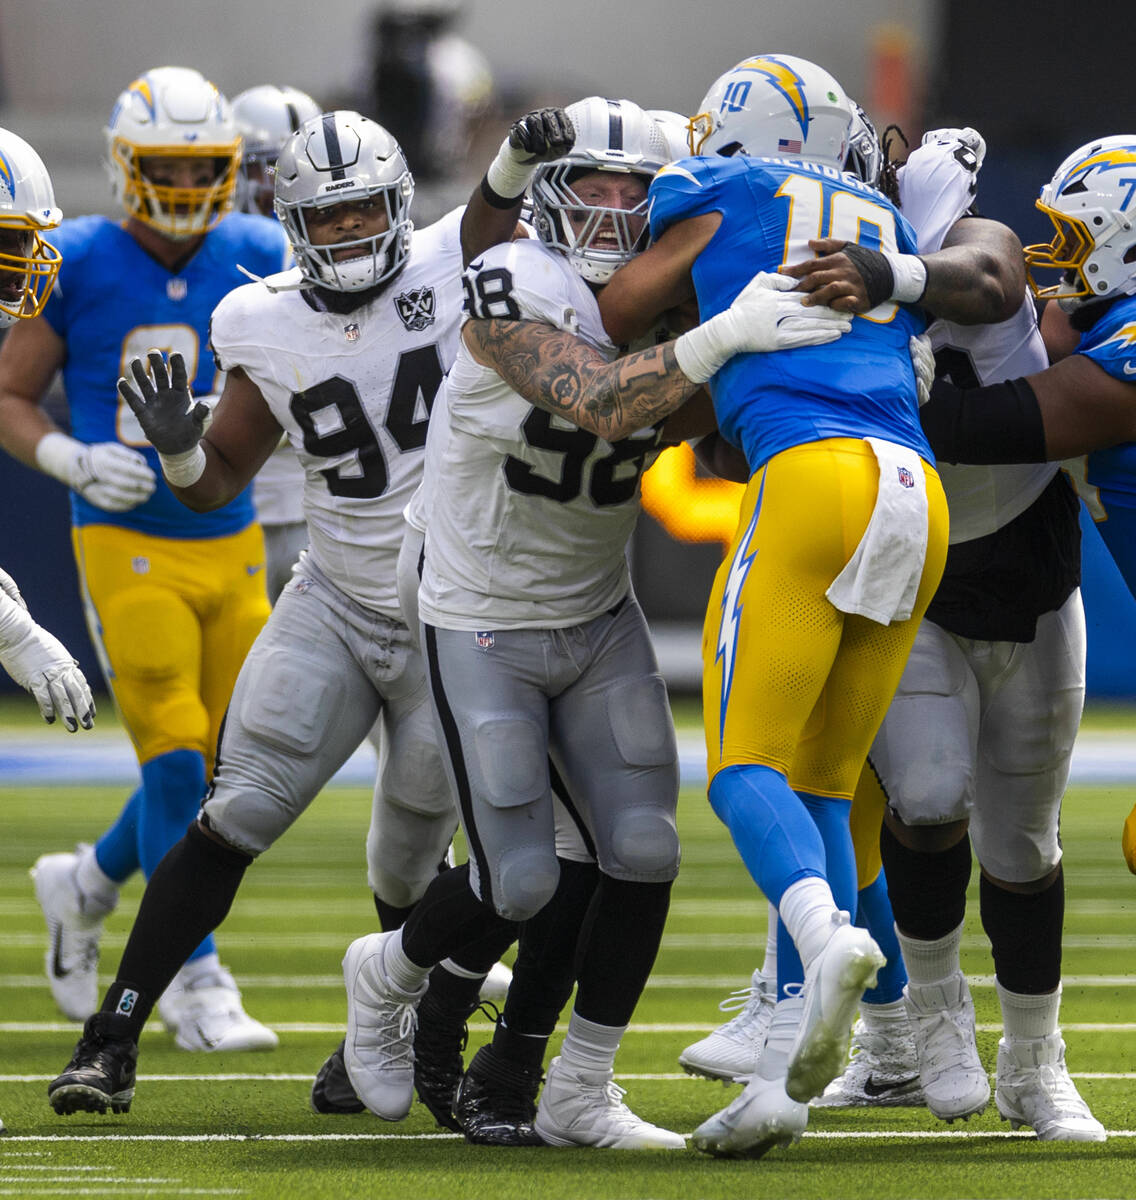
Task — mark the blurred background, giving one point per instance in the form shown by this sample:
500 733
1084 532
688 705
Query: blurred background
448 76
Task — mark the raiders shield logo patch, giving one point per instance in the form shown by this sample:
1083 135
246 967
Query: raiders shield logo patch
416 308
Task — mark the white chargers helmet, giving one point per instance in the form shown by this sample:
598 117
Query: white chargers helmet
266 117
28 264
338 157
1090 202
774 106
611 135
865 157
173 112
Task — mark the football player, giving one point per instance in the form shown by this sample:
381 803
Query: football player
266 117
343 355
173 599
534 644
806 632
1083 403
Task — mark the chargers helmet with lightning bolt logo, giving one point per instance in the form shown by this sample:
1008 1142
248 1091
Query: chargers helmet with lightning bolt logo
28 264
1091 201
774 106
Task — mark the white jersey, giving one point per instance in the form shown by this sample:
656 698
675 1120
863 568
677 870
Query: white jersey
529 515
935 191
353 392
278 489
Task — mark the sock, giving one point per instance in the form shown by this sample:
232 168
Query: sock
448 917
831 819
406 975
769 963
883 1018
776 837
873 913
97 891
620 940
929 961
391 917
189 894
524 1049
1025 934
116 852
589 1046
544 971
927 891
807 908
1028 1017
790 969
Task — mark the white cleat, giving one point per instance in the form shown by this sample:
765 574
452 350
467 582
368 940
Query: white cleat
882 1072
834 984
731 1052
585 1108
381 1020
1033 1088
762 1117
496 985
955 1083
202 1009
74 926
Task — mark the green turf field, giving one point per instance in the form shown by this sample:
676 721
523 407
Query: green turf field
239 1124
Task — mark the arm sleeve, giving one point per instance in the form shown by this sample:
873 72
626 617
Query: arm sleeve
997 424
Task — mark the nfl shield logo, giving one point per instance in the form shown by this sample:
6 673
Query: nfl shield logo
416 308
177 289
140 565
905 477
484 640
351 332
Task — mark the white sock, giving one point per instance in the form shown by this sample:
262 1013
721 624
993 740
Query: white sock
769 965
589 1046
929 962
1028 1017
97 891
807 908
883 1018
407 976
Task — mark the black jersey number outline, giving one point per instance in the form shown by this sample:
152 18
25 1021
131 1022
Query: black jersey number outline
605 488
419 373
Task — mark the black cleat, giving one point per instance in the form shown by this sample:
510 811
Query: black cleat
331 1089
101 1071
495 1103
441 1037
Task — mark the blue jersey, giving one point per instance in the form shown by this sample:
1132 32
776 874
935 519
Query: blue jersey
861 385
114 302
1111 344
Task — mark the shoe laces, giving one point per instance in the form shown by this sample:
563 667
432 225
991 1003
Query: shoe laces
948 1035
751 1004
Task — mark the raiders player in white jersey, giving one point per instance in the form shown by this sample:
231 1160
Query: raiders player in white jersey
979 736
535 645
343 354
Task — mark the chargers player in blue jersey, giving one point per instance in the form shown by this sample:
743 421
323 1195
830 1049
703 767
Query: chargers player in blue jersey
1083 404
840 543
173 599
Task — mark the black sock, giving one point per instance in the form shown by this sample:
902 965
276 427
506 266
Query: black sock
544 972
620 941
1025 934
390 916
448 917
927 891
188 896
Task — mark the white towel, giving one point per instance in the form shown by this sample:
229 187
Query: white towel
881 579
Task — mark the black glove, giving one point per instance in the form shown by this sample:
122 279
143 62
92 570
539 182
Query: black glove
543 134
170 418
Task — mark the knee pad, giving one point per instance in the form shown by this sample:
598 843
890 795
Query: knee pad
526 878
512 759
293 703
640 720
403 852
644 846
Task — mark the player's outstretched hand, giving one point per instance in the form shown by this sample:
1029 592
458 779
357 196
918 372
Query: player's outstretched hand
542 135
1128 840
767 315
161 400
38 661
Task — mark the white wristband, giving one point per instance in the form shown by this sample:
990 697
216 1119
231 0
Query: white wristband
184 470
506 176
910 274
56 455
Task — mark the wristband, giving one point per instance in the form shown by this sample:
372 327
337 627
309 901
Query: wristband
56 455
185 469
909 277
508 177
495 199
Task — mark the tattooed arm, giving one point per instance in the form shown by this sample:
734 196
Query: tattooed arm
563 375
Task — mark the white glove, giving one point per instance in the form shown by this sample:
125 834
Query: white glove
923 360
766 315
9 588
108 475
968 145
39 662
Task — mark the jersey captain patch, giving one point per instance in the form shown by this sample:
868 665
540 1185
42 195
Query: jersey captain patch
416 308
